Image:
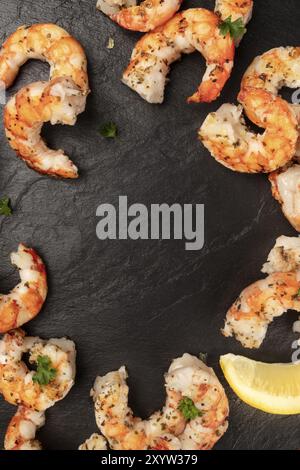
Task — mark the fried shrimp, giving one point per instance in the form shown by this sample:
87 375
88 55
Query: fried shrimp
150 14
26 300
95 442
193 418
286 190
188 31
224 133
144 17
49 43
20 386
257 306
21 431
59 102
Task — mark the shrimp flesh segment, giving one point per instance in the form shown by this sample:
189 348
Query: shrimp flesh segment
168 429
286 190
257 306
17 384
95 442
225 134
144 17
59 102
49 43
21 431
26 300
188 31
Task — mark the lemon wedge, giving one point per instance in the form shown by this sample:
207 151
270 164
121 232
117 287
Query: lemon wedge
273 388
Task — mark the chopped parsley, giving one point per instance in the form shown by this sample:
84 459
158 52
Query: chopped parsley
236 28
45 373
5 208
109 130
188 409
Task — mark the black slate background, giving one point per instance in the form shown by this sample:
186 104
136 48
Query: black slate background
143 303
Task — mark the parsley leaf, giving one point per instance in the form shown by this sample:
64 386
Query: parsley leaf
109 130
5 208
298 294
188 409
44 373
236 28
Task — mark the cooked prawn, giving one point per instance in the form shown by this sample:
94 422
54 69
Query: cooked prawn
49 43
143 17
57 101
169 429
17 384
190 30
41 102
95 442
21 431
257 306
286 190
150 14
26 300
225 134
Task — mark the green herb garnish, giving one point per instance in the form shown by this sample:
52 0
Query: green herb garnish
44 372
109 130
5 208
236 28
188 409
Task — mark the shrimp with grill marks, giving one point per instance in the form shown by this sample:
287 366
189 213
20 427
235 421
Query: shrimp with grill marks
225 134
20 386
194 416
259 304
25 301
60 100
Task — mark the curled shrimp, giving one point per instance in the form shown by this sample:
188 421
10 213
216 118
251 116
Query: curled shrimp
41 102
188 379
17 383
257 306
57 101
190 30
144 17
49 43
21 431
26 300
224 133
95 442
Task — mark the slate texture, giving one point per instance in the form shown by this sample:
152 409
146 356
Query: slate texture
142 303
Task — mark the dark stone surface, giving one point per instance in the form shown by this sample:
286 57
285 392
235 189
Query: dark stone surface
143 303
